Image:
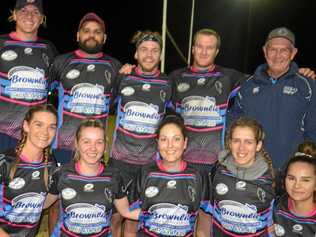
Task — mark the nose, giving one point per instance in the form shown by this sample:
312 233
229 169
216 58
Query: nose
296 184
170 144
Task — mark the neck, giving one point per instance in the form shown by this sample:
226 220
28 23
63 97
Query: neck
88 169
276 74
172 166
84 54
32 154
24 36
139 70
198 68
303 208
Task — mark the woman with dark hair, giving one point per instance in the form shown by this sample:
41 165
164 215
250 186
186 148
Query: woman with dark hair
295 213
170 190
24 174
243 184
87 188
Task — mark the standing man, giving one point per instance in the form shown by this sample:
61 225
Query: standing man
24 62
142 98
283 101
84 80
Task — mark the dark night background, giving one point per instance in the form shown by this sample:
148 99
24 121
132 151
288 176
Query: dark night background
243 25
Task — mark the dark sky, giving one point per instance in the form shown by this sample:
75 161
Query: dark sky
243 25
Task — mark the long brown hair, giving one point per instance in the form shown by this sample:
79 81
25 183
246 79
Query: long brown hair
18 149
259 136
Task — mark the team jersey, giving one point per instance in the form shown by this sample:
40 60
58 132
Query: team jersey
86 201
85 88
170 200
290 224
241 207
142 102
23 79
22 198
202 98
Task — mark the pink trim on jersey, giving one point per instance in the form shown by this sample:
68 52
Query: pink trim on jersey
204 129
140 72
13 36
162 167
210 68
78 169
135 135
290 204
29 226
85 116
22 102
106 230
82 54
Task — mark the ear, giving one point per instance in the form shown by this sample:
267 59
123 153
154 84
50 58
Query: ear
217 51
14 15
264 49
104 39
259 146
136 56
26 127
294 52
78 36
185 143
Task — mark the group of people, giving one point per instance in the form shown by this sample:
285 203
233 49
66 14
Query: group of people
203 151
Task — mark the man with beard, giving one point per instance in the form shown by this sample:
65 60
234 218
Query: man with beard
84 81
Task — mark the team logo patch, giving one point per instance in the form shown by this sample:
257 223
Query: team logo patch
241 185
221 189
9 55
68 193
261 195
151 191
163 95
172 184
91 68
17 183
201 81
108 195
146 87
73 74
289 90
28 51
183 87
45 59
88 187
128 91
192 193
36 174
219 87
255 90
107 76
297 229
279 230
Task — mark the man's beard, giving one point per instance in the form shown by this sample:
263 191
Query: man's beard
90 50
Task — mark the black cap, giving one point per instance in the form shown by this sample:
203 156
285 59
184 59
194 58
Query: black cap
22 3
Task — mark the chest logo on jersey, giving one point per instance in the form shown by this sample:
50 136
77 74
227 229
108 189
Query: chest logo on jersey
172 184
108 76
9 55
151 191
279 230
221 189
146 87
261 195
241 185
17 183
200 111
297 229
140 117
201 81
36 174
289 90
219 87
128 91
91 68
183 87
108 195
192 193
28 51
73 74
68 193
255 90
238 217
88 188
169 219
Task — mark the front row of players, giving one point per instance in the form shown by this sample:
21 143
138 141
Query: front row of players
239 195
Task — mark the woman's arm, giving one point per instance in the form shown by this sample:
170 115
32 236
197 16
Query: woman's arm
50 199
122 206
3 233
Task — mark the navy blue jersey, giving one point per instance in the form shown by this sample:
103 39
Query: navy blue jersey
202 98
23 79
22 198
86 202
241 207
289 224
170 200
85 89
142 102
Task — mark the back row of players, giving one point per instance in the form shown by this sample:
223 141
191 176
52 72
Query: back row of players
87 82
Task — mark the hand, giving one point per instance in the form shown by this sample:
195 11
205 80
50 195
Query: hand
126 69
307 72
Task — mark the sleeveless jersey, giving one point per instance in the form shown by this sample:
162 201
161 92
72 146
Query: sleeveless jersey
142 101
85 88
23 79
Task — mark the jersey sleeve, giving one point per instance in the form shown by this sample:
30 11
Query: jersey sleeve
53 181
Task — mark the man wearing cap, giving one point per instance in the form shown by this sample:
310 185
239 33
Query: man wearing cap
283 101
84 80
24 62
142 97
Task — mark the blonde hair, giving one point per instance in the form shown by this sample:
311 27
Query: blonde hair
141 36
208 32
19 148
11 18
